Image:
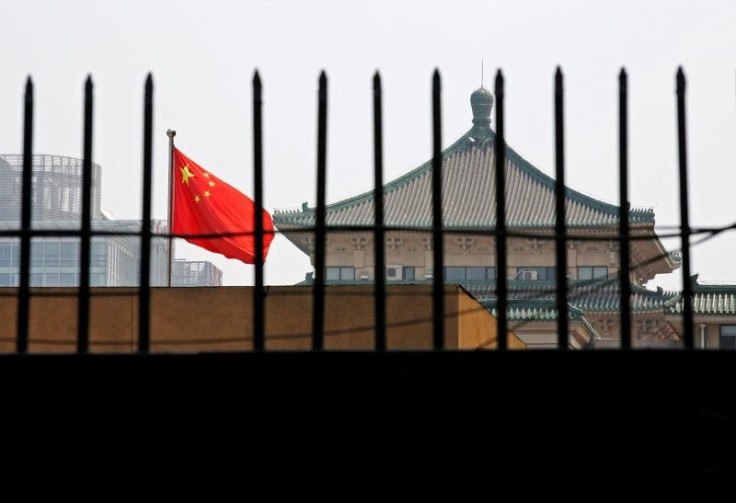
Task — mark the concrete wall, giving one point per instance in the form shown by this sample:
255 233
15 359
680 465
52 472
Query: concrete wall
220 319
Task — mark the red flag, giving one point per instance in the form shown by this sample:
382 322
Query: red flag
204 204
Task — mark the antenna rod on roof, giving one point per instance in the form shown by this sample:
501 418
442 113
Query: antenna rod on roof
481 72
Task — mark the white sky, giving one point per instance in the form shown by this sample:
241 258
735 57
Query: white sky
203 54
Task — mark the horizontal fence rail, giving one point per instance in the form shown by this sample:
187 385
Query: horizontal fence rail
500 233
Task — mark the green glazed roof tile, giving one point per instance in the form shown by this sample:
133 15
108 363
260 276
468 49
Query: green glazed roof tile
585 296
717 299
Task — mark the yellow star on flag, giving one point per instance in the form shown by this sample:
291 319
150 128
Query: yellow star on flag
206 193
186 174
212 184
196 198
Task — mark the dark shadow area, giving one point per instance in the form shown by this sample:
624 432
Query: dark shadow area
643 415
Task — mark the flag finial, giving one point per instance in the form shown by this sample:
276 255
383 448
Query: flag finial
170 133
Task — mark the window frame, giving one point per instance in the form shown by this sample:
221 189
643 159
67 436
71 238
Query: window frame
594 270
731 337
344 273
463 272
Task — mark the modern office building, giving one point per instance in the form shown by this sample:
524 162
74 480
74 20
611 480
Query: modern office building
195 273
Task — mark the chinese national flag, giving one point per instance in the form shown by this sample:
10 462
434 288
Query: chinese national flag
204 204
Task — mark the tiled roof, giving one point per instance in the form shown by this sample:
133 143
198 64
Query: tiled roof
708 299
713 303
606 296
520 311
532 309
469 196
585 296
536 299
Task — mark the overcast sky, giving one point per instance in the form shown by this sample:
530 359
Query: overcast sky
203 54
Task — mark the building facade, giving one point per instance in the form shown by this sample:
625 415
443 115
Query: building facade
469 201
56 207
195 273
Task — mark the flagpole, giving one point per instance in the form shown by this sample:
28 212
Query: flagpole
171 133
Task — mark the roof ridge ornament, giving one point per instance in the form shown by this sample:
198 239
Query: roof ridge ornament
481 101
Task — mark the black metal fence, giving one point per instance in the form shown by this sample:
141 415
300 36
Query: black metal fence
26 232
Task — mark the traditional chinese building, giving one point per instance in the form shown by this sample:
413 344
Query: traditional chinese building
469 202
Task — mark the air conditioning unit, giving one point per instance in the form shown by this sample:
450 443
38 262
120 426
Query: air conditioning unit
393 273
528 274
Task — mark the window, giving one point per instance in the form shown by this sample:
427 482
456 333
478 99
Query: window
51 279
475 273
340 273
14 255
592 272
408 273
534 273
727 339
65 206
469 273
47 198
99 254
5 254
454 273
69 279
68 255
36 254
51 255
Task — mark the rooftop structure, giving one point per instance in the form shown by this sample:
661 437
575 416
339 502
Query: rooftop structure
469 202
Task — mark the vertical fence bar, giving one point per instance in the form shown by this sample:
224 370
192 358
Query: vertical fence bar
318 309
170 133
501 280
687 287
144 294
378 231
259 328
623 215
560 224
86 232
438 291
24 290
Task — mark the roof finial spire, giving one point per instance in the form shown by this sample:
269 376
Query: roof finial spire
481 102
